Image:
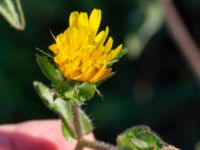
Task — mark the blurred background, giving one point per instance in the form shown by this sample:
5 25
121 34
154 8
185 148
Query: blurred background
153 85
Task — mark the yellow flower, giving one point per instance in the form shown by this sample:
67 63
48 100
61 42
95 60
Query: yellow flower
80 53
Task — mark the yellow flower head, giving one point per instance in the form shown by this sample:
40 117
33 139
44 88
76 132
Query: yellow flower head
80 53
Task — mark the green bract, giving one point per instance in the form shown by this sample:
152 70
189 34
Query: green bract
49 70
80 92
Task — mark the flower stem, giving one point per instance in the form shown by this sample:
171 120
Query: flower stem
77 123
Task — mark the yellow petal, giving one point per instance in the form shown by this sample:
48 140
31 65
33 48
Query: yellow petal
76 74
83 20
101 37
54 48
100 72
108 45
115 52
80 53
95 20
86 76
73 19
60 58
104 75
73 39
61 41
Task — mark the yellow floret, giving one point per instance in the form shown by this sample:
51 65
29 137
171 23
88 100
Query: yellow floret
80 53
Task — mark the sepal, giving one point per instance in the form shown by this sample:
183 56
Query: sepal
80 92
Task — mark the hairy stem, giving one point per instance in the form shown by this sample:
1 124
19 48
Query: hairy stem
77 123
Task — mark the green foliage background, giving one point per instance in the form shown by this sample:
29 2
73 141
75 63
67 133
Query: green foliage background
157 89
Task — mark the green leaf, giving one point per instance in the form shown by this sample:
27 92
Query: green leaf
64 109
85 123
66 132
13 13
59 106
139 138
49 70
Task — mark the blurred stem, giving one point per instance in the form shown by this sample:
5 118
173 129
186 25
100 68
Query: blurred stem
181 35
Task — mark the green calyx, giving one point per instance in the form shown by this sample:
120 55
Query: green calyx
81 92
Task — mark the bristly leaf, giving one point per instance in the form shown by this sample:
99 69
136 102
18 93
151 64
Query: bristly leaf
13 13
66 132
139 138
59 106
85 122
64 110
49 69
